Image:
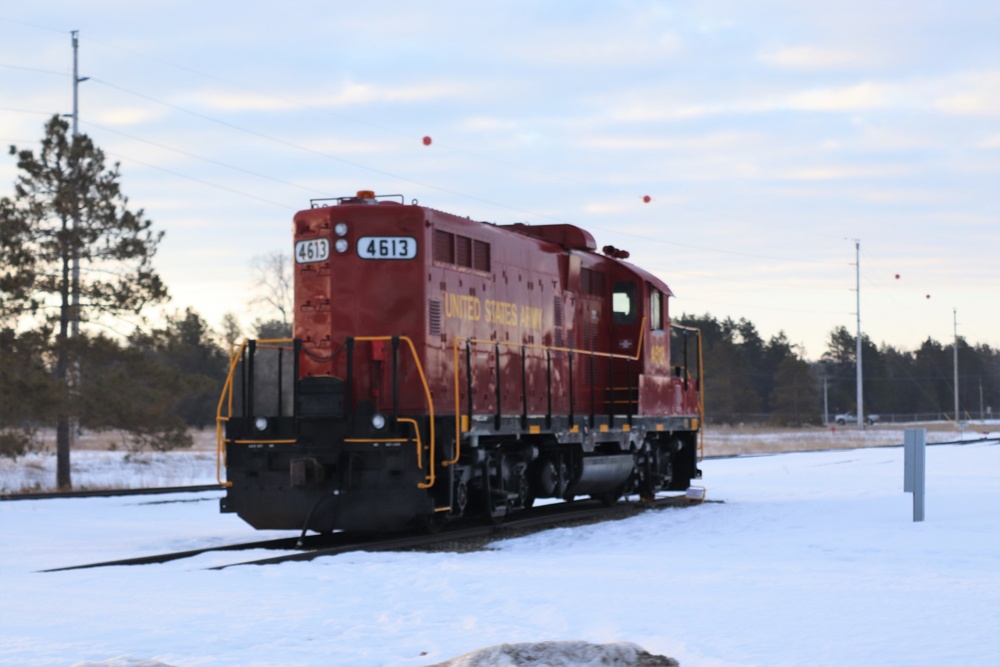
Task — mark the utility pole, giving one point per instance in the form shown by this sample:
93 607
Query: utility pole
955 315
826 403
75 285
982 415
857 266
63 478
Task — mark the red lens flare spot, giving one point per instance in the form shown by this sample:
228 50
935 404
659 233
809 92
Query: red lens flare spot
897 276
427 141
928 296
646 199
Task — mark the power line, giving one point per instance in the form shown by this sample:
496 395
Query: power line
390 130
312 151
207 159
33 69
749 306
203 182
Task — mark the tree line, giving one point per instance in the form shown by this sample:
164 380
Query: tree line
750 379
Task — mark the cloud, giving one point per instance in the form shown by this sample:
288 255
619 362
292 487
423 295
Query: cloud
487 124
865 95
127 116
809 58
845 172
626 51
350 94
652 143
969 93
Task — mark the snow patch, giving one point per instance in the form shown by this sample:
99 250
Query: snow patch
560 654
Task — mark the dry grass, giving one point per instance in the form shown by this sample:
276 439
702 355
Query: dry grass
204 441
718 441
742 440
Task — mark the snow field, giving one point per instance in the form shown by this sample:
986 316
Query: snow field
811 559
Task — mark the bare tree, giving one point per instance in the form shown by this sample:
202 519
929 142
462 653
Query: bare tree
272 287
231 331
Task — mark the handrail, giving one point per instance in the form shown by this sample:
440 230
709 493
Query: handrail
701 389
458 413
506 343
226 400
427 391
420 451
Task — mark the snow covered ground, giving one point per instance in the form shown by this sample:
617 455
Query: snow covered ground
812 559
96 466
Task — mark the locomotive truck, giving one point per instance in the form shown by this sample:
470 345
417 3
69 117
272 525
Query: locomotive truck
443 367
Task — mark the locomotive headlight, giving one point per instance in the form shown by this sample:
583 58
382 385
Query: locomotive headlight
341 228
341 245
260 424
378 422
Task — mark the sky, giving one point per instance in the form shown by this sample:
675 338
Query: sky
770 137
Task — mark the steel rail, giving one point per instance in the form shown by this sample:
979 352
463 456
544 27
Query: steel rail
103 493
151 559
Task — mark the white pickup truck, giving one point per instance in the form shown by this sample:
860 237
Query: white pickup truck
849 418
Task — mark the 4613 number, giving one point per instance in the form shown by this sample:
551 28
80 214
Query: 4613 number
387 247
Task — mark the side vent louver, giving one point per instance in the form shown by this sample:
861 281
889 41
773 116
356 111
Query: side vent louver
434 317
558 316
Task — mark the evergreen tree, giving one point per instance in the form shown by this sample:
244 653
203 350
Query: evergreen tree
68 206
127 389
732 396
794 400
26 391
185 345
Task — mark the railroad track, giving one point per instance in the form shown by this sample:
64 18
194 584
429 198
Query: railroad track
107 493
317 546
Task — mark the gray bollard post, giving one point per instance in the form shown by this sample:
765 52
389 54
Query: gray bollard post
915 468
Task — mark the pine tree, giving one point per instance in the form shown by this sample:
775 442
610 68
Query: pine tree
67 206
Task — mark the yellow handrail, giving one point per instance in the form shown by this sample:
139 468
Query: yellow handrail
701 390
420 449
226 400
458 414
507 343
427 391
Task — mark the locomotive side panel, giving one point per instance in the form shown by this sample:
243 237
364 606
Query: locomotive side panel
497 304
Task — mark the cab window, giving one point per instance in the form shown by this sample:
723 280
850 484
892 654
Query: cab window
655 309
623 302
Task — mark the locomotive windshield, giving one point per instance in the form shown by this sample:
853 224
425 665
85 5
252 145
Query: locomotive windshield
623 302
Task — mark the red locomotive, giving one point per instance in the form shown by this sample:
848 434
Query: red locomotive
442 367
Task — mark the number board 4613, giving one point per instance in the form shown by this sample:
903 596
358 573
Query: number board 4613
387 247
